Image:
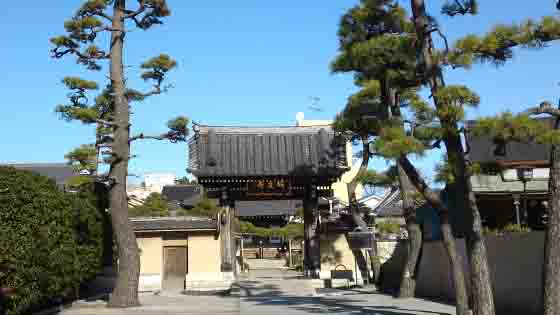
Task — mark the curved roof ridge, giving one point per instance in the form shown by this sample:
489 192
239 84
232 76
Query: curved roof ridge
264 130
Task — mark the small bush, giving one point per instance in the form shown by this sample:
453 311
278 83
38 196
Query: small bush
507 229
204 208
154 206
389 227
49 242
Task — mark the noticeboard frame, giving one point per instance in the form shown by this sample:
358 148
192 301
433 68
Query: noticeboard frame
361 240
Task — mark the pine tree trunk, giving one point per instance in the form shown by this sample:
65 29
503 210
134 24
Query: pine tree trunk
482 296
408 277
372 253
481 282
357 217
552 239
456 263
125 293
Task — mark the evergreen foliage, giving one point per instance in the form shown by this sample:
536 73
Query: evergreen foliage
204 208
497 45
50 241
379 179
461 7
289 231
82 158
390 226
185 181
110 109
154 206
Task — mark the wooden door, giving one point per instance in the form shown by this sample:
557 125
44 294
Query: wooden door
175 268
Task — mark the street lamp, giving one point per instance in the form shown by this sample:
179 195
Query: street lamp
524 174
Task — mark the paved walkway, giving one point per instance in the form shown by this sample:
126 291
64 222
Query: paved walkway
274 283
266 264
275 292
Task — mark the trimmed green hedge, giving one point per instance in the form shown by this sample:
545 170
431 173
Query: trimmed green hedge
50 241
289 231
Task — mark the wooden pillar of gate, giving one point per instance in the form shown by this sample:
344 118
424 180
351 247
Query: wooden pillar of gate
227 240
312 258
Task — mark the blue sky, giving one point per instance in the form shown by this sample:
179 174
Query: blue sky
240 62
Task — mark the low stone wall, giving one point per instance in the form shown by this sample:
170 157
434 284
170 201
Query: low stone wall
515 260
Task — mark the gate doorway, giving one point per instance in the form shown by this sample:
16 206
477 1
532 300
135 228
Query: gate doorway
175 268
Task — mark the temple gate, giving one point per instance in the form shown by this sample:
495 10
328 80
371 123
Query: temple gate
269 163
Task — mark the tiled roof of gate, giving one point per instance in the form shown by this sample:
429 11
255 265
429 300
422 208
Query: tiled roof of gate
266 151
172 224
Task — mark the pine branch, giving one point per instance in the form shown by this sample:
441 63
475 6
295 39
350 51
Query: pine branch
133 14
420 184
141 136
152 12
106 122
103 15
459 8
87 58
157 89
496 46
97 56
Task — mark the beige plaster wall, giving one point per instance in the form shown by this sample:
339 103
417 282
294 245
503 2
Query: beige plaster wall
203 253
335 251
151 253
515 261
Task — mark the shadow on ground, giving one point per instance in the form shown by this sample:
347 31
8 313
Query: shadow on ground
272 296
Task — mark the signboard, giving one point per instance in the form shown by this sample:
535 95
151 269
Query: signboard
269 188
361 240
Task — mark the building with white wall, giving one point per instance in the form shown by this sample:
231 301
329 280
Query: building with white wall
154 182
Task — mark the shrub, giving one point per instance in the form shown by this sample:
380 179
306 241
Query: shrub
204 208
507 229
49 242
289 231
389 227
154 206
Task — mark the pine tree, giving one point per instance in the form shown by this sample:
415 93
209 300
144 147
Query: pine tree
377 45
360 132
495 47
111 109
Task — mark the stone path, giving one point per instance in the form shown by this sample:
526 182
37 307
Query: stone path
280 292
266 264
274 283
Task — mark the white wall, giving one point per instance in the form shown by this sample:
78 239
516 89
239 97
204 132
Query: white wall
154 182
